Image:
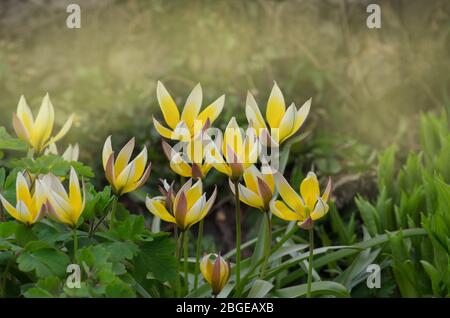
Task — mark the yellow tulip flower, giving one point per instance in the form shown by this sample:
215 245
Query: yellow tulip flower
283 122
194 165
304 209
70 154
258 190
182 127
62 206
184 208
30 208
37 133
125 176
239 151
215 273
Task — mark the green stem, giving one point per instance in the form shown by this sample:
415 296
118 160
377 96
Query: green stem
75 245
238 237
268 244
310 262
198 252
180 243
30 153
113 212
3 282
186 254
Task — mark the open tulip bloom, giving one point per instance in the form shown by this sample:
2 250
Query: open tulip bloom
283 122
37 132
216 272
192 165
185 208
62 206
30 207
182 127
304 209
258 190
239 150
125 176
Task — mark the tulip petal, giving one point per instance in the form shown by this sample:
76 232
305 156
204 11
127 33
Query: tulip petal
20 130
192 106
326 193
275 107
250 175
24 114
63 131
167 105
320 209
75 199
44 123
300 118
10 208
288 122
156 206
107 151
206 267
212 111
163 131
194 213
253 113
22 191
288 194
123 158
281 210
309 189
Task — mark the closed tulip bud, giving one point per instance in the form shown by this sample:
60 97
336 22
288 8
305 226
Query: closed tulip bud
186 208
125 176
37 132
283 122
305 208
258 190
70 154
182 127
62 206
216 272
30 207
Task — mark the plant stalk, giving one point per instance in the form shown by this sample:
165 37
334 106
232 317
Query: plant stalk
180 244
198 252
268 244
113 211
186 254
75 245
238 237
310 262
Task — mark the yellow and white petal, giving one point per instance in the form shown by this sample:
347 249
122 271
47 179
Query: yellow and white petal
300 118
287 122
10 208
167 105
140 161
64 130
233 137
309 190
156 206
75 198
163 131
288 194
24 114
250 178
20 130
253 113
247 196
326 193
194 213
209 203
123 158
212 111
192 106
206 267
44 123
320 209
275 107
194 193
125 177
24 213
22 191
281 210
107 151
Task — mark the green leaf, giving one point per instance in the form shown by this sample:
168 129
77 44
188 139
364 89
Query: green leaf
157 257
119 289
45 262
325 288
260 289
7 142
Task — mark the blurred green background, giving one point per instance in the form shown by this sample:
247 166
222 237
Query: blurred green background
368 86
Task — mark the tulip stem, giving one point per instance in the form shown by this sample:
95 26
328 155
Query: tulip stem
75 244
310 262
198 252
113 212
186 252
238 237
180 242
268 244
